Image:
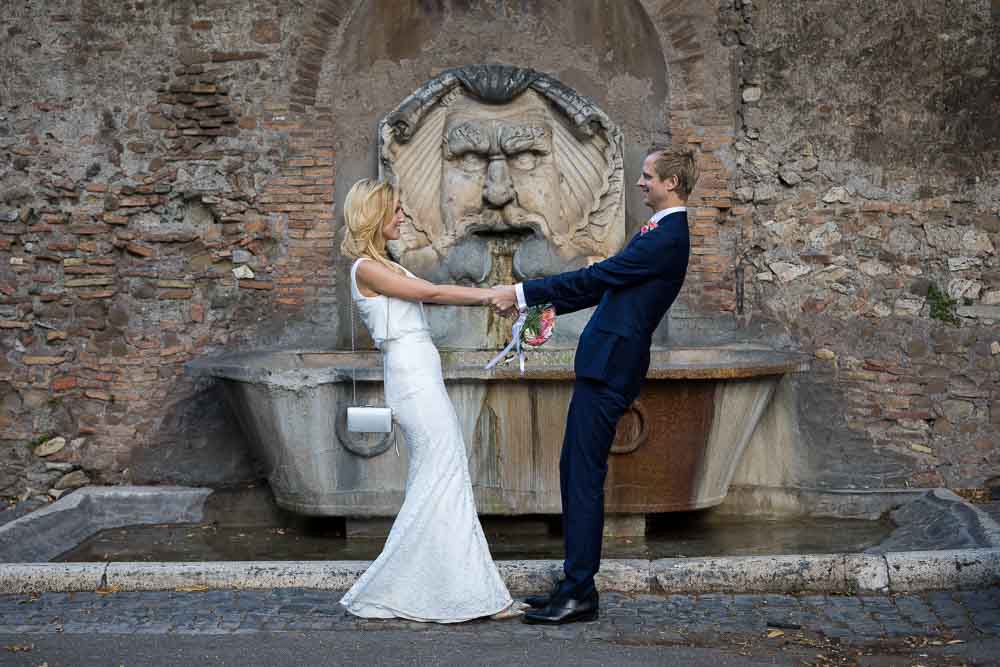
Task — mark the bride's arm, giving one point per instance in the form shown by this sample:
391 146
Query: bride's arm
381 279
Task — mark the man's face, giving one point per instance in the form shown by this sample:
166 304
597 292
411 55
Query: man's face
656 192
499 171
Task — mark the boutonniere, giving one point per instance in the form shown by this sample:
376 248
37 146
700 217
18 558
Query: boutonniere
648 227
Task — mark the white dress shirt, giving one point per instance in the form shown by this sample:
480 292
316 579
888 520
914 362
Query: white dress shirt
522 304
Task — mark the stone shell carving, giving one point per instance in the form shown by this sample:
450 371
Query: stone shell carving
495 159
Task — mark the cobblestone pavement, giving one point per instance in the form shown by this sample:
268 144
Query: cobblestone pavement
935 618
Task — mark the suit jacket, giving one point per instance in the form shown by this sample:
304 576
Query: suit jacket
633 290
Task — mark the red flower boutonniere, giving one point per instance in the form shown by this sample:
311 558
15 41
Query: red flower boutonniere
648 227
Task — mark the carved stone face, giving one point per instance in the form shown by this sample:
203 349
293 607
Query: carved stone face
499 170
506 182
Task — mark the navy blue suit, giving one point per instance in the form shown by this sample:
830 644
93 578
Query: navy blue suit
632 291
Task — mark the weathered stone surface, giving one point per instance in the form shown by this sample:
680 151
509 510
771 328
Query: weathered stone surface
874 268
112 187
827 235
908 306
957 410
837 195
752 94
73 480
788 272
963 263
980 312
961 288
50 447
901 242
977 242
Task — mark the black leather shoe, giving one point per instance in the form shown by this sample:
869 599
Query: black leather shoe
542 601
565 611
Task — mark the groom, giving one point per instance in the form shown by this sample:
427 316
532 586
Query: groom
632 291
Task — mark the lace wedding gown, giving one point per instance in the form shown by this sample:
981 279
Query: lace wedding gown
436 565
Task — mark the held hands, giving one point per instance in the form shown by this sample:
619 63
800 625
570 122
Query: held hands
503 301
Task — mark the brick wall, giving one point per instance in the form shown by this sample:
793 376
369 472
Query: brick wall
169 174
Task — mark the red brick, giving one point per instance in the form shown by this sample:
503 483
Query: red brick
64 383
139 250
177 294
42 360
228 56
97 294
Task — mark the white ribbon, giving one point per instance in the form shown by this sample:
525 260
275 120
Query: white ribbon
515 344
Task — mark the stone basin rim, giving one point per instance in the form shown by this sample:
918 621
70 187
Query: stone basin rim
687 363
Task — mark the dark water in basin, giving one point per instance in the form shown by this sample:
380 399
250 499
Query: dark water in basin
673 535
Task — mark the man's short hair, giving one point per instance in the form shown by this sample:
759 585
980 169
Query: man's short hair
676 162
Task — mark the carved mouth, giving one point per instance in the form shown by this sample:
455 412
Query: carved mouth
492 224
501 231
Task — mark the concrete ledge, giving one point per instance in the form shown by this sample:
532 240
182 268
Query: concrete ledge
50 531
319 575
896 572
928 570
824 573
752 574
38 578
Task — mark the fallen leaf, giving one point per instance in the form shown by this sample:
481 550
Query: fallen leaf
956 641
771 634
108 590
19 648
193 588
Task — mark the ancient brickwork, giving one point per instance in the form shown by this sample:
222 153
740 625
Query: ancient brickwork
168 180
141 232
868 185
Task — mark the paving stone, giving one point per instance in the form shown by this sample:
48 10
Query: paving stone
667 618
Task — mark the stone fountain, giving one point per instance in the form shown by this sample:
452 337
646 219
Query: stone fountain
507 174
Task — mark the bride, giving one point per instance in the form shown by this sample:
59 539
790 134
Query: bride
436 565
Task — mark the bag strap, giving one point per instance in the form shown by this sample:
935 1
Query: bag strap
354 368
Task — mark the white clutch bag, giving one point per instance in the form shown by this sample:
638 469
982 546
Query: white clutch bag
369 420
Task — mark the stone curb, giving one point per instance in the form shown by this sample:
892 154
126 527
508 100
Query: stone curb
893 572
896 572
45 533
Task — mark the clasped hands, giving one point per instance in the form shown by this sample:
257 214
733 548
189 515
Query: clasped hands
504 300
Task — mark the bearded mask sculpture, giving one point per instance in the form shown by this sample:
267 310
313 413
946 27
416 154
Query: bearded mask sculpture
494 157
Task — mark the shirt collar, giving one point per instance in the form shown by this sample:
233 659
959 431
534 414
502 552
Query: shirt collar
660 215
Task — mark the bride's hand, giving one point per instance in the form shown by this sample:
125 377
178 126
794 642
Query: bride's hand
503 301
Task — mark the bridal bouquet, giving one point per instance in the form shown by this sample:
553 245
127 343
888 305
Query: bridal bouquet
532 329
539 321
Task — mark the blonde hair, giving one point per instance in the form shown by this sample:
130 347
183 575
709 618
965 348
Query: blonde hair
368 206
679 163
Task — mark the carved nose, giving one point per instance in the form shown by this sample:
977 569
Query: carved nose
498 190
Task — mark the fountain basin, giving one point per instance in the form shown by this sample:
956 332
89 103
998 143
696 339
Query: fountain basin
677 448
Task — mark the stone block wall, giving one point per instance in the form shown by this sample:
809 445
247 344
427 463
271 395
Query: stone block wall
170 173
868 186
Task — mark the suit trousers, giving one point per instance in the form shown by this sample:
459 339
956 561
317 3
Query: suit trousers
594 412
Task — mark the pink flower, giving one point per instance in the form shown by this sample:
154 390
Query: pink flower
538 329
648 227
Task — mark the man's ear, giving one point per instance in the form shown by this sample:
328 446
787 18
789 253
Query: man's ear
673 182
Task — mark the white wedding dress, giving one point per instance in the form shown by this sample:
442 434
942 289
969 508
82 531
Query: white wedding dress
436 565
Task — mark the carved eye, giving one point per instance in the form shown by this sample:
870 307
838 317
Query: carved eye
524 161
472 163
